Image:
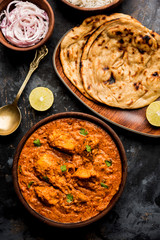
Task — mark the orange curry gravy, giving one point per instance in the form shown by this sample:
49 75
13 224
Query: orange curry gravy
69 170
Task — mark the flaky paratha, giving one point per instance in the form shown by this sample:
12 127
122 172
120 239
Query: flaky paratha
120 64
72 45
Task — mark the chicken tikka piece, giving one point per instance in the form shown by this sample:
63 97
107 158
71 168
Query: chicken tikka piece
48 195
72 141
49 168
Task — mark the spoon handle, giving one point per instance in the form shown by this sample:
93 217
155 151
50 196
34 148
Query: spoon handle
39 55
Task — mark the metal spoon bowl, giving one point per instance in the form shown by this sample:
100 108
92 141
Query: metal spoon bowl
10 115
10 118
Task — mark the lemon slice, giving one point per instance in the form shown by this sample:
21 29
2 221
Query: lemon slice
153 113
41 98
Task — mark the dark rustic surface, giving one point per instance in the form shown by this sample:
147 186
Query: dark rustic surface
136 216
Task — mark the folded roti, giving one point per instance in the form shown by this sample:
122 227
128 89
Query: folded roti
72 44
120 64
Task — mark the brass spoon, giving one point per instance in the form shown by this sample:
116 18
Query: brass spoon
10 115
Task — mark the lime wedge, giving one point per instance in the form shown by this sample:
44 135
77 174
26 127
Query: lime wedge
153 113
41 98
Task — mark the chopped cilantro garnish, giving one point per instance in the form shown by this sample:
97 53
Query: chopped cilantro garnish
108 162
83 132
30 184
69 198
104 185
63 168
20 169
88 148
46 178
37 143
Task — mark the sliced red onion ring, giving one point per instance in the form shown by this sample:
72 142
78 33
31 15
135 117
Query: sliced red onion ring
25 25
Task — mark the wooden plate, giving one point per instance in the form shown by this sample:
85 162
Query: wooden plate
132 120
85 117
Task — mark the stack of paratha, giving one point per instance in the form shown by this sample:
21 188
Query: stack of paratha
114 60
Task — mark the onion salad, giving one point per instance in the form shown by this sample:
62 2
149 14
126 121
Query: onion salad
25 25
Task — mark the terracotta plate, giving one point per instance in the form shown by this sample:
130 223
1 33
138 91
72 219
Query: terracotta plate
132 120
97 122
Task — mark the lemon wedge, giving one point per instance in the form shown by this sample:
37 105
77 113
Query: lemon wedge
153 113
41 98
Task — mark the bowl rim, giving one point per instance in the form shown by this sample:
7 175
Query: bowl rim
77 115
107 6
7 44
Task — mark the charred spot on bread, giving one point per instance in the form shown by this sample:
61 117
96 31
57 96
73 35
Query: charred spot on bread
155 74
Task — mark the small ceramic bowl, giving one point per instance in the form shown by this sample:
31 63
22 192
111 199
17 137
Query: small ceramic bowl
108 6
43 4
85 117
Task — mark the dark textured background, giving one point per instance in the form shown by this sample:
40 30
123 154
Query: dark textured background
136 216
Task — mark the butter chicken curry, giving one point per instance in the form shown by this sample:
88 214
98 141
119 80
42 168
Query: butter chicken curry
69 170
